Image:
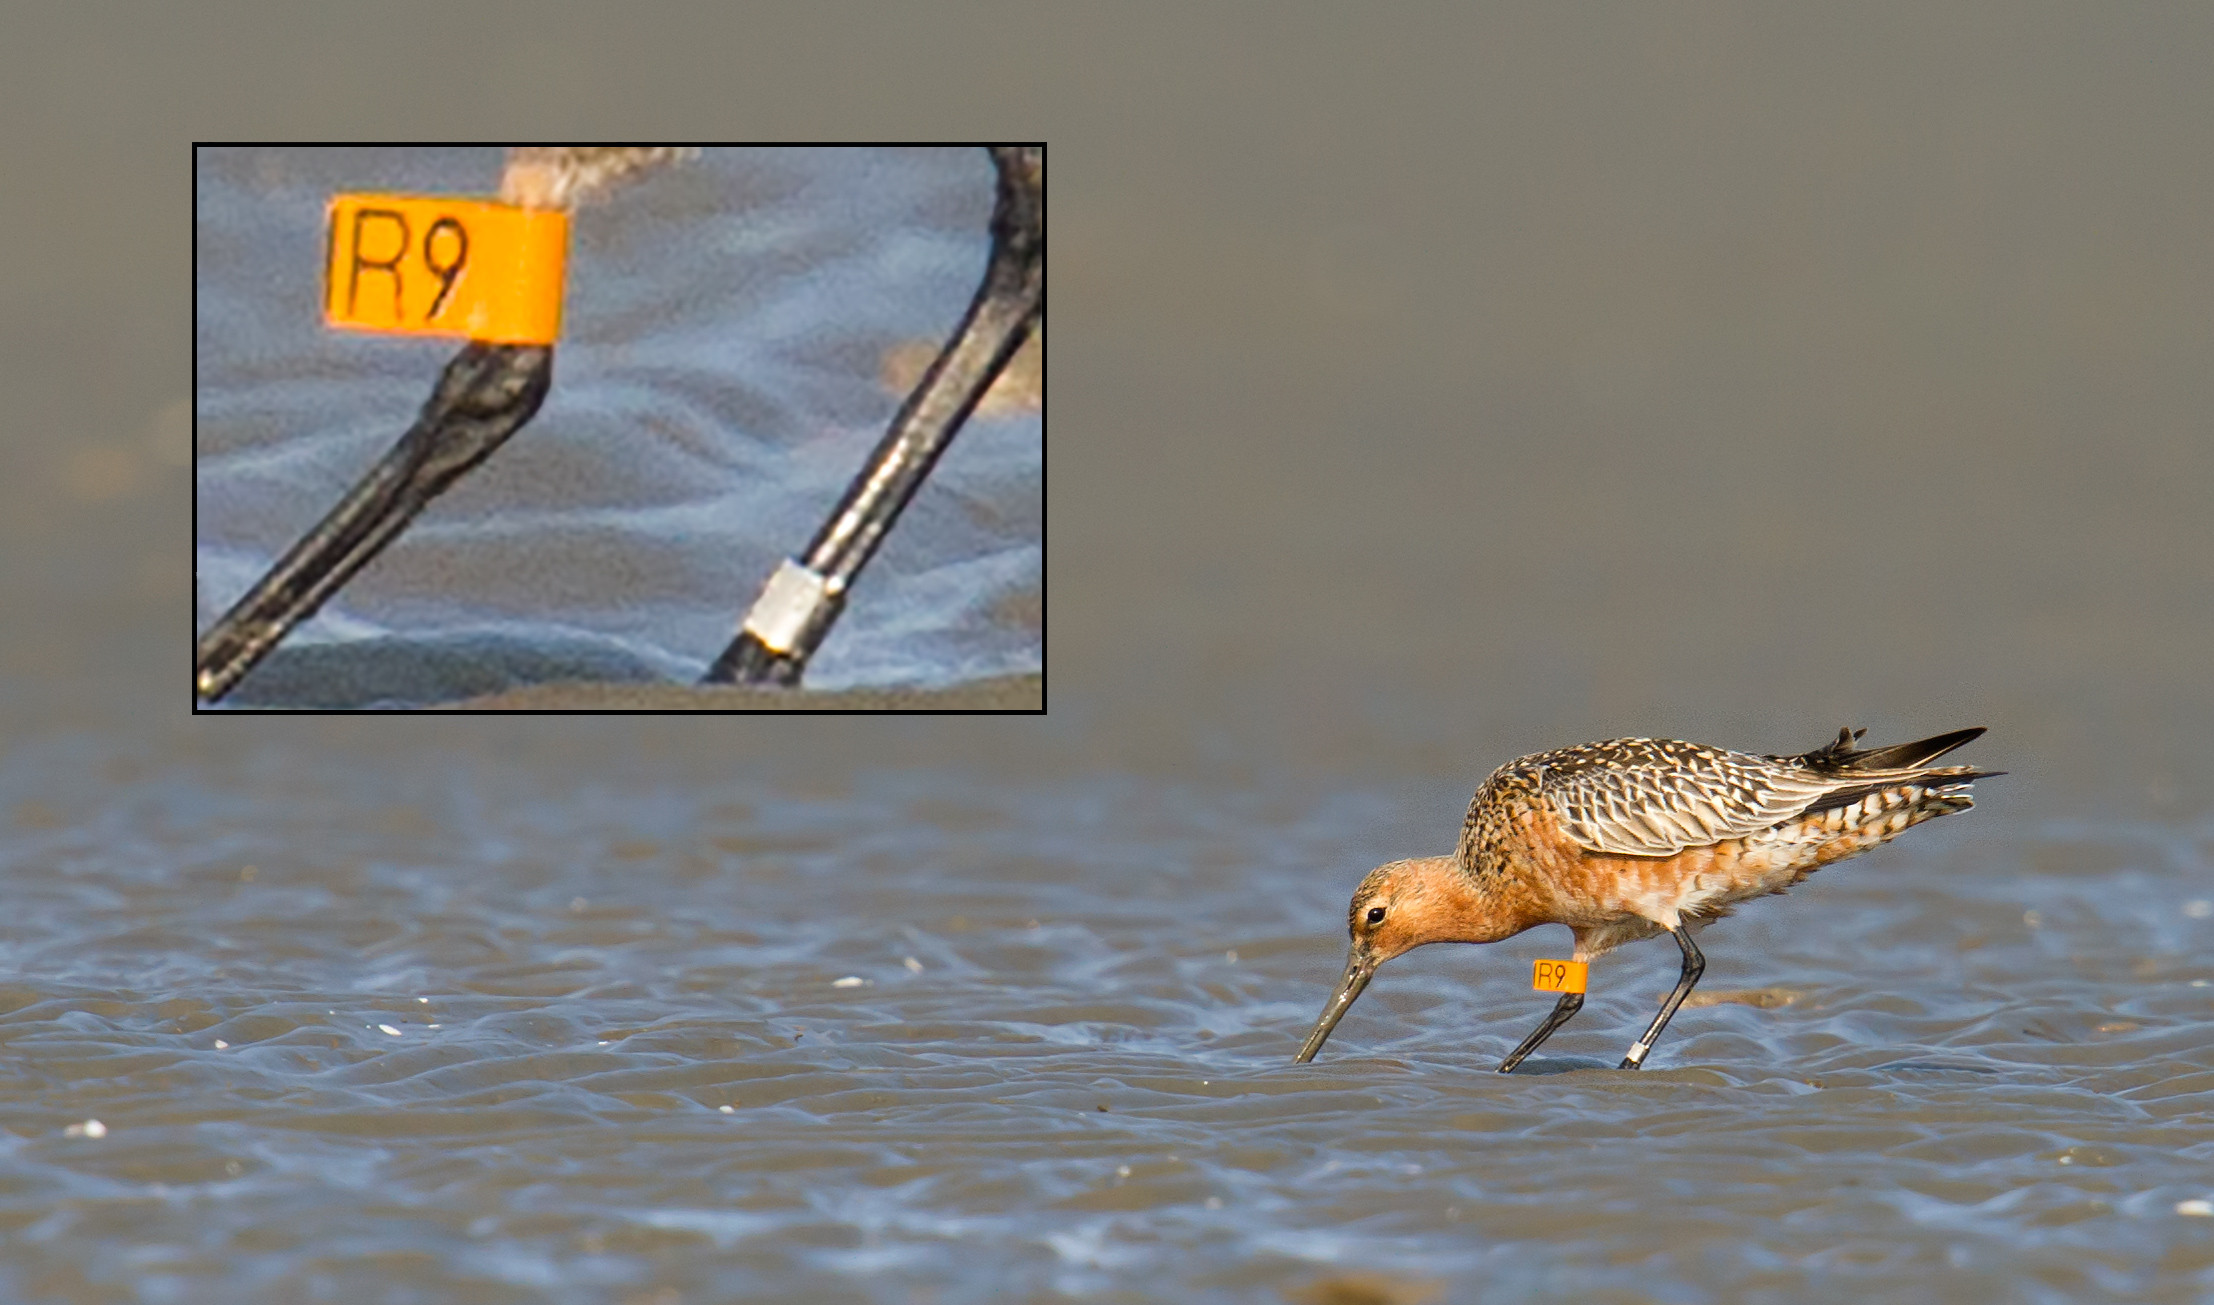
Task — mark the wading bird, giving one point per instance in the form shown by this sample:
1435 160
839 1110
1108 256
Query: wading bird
1630 838
489 391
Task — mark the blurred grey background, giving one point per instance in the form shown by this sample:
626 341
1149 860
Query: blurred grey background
1436 383
1721 371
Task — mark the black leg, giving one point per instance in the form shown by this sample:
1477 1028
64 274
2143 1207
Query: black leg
1695 965
1568 1005
794 613
485 394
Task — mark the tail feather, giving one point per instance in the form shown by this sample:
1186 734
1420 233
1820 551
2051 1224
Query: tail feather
1948 793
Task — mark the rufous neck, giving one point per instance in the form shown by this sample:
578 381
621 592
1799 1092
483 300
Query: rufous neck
1458 907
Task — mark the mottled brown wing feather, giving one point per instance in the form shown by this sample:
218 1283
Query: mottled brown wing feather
1656 797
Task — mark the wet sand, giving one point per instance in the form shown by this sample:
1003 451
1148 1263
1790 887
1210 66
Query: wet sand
1011 693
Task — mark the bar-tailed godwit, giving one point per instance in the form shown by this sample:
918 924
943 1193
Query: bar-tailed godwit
1630 838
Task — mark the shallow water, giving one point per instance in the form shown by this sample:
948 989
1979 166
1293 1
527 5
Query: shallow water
573 1031
717 385
1446 391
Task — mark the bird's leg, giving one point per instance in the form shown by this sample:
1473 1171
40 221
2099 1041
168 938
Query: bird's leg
486 394
804 596
1695 965
1568 1005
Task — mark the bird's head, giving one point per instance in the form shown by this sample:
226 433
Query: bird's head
1399 907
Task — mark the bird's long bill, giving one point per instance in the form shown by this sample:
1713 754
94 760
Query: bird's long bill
485 395
1359 969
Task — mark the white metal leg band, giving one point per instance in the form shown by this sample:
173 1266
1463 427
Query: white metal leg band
794 600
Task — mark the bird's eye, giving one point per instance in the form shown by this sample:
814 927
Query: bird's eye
1375 915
